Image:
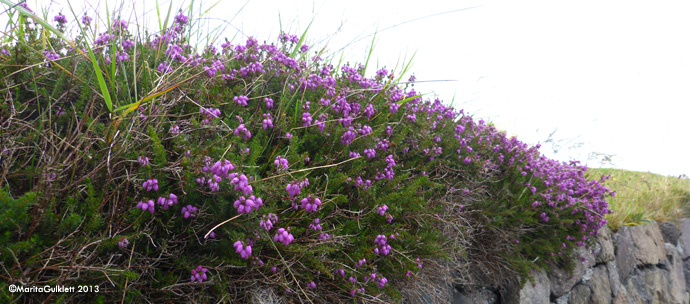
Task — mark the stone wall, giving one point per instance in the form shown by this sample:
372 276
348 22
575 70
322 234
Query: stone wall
638 264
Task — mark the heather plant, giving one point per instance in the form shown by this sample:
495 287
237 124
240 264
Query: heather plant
159 170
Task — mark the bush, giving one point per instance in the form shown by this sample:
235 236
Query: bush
255 170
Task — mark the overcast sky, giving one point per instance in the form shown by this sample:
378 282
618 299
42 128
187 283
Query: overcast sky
607 76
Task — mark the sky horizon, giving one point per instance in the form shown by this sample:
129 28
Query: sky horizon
608 78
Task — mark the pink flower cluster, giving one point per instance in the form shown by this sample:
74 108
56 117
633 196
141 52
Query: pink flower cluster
244 251
199 274
241 183
383 248
310 203
281 163
295 187
149 206
189 211
167 202
245 205
382 210
241 100
267 221
151 184
243 132
283 236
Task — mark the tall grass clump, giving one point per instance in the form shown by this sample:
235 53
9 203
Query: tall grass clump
246 171
643 197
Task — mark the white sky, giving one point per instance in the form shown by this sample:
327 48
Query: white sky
611 76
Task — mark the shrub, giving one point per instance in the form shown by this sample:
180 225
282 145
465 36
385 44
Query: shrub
254 166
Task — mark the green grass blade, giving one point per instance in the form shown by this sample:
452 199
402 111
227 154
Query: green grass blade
410 98
371 50
97 69
301 41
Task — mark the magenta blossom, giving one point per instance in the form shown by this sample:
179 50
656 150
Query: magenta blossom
244 251
283 236
199 274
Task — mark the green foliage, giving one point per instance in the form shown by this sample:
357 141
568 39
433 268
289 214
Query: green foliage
74 186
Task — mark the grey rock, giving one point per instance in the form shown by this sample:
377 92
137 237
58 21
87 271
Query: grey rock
649 244
459 298
478 296
564 299
599 285
614 279
622 298
581 294
678 286
686 273
649 286
538 292
562 280
639 246
670 232
684 238
625 256
603 246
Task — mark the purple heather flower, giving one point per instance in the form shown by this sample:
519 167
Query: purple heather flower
365 130
221 168
119 25
189 211
143 160
241 183
348 136
382 210
310 203
267 122
164 67
147 206
382 282
244 251
60 19
394 107
199 274
360 262
123 56
246 205
181 19
241 100
174 130
316 226
5 52
311 285
211 235
267 221
390 161
370 153
306 119
283 236
281 163
324 236
354 155
127 44
269 103
123 243
304 48
288 135
51 55
86 20
151 184
245 134
167 202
